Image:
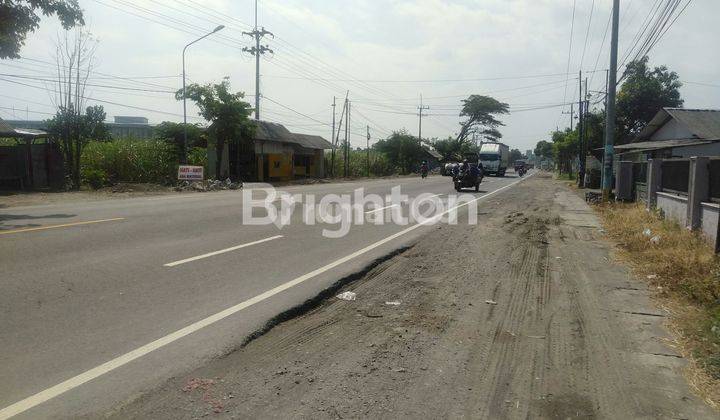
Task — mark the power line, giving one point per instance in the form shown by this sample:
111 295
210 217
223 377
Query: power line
536 76
41 79
103 101
587 33
572 30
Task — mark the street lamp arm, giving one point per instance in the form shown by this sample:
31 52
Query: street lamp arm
185 141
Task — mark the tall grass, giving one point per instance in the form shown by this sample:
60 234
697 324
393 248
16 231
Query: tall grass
686 269
379 164
130 160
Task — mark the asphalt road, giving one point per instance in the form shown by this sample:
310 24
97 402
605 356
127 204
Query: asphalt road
95 313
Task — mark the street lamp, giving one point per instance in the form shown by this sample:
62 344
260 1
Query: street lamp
185 140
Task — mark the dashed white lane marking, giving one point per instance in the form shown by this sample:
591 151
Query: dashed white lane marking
222 251
87 376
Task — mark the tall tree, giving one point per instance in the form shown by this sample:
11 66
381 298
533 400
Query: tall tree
70 128
72 132
491 134
480 112
642 95
565 149
403 150
544 149
228 113
18 17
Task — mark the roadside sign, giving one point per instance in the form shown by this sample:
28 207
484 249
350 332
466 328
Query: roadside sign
190 173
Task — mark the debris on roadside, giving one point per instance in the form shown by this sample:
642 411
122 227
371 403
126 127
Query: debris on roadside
209 185
393 303
491 302
347 296
652 276
647 232
655 240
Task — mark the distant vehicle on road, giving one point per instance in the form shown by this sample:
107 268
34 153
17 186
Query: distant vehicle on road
520 164
494 158
467 175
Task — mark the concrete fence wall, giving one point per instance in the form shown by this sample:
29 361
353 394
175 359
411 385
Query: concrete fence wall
693 210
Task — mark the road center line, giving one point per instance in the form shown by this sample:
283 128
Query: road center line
222 251
110 365
89 222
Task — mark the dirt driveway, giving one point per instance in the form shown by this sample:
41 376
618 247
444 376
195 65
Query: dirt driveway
521 316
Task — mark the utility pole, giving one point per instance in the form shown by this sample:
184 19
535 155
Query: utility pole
610 114
336 137
368 151
347 139
257 51
581 133
421 108
332 137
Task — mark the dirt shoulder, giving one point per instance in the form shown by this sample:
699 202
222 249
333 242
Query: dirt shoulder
520 316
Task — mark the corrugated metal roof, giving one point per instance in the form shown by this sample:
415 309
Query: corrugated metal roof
664 144
6 130
702 123
269 131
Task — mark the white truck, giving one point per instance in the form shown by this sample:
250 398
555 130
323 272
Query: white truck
495 158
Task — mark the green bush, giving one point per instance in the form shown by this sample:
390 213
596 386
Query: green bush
198 157
96 178
131 160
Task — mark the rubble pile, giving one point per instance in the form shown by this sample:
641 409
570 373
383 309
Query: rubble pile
209 185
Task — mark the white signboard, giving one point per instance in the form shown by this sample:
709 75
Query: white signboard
190 173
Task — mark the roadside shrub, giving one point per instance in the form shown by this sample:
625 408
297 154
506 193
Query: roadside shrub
198 157
379 164
132 160
95 178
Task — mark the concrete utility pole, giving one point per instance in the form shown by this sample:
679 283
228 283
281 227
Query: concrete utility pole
421 108
368 151
347 140
336 137
332 136
610 114
581 133
257 51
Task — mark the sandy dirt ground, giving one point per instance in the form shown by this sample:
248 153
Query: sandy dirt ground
521 316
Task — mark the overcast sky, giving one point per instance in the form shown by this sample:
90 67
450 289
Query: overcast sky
386 52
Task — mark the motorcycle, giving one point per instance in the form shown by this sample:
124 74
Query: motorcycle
522 171
467 178
424 173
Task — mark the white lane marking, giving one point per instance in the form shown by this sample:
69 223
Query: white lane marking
381 208
222 251
397 205
89 375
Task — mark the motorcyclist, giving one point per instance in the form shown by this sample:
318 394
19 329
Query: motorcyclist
424 168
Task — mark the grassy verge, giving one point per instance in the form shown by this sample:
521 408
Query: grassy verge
686 272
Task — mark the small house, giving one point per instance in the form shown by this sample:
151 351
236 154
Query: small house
675 133
273 154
